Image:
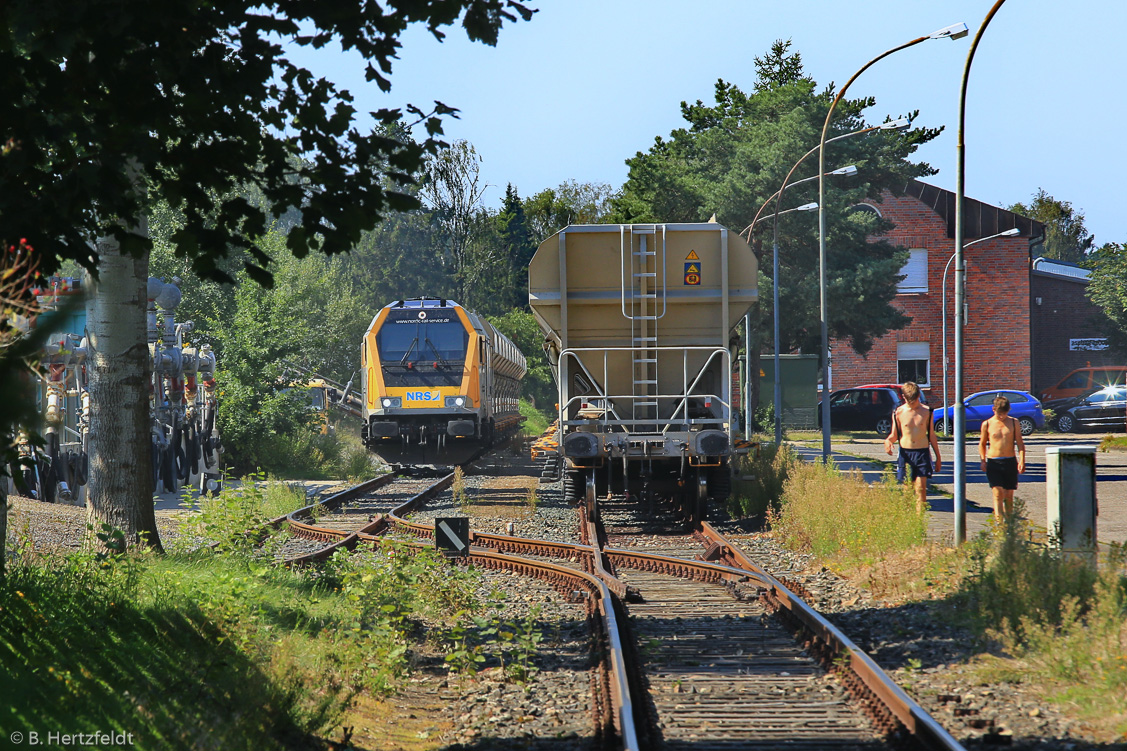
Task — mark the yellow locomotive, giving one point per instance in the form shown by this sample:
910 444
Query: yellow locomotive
439 383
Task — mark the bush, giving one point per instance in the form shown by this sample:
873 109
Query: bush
536 420
837 516
1062 620
768 470
764 417
1016 585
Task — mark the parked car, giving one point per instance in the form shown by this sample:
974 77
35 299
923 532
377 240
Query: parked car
1057 405
1105 409
862 409
1024 407
1084 381
898 388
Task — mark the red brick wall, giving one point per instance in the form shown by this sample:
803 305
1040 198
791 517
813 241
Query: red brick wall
997 344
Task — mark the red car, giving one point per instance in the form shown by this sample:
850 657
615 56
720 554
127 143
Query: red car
898 388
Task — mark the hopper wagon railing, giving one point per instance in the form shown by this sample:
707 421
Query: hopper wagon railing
679 415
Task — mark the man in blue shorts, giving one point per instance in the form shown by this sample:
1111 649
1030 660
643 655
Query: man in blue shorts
911 430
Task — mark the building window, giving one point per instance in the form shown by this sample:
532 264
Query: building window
915 273
866 208
912 362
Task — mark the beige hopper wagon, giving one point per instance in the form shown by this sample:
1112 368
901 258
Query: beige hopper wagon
637 321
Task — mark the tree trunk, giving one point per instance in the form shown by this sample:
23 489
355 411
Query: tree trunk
3 526
120 490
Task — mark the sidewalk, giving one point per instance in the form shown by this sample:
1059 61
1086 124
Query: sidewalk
868 456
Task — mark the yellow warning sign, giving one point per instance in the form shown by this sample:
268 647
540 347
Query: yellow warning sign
692 256
692 273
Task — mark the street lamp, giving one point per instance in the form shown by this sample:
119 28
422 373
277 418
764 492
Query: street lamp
960 452
956 31
775 284
1007 233
899 124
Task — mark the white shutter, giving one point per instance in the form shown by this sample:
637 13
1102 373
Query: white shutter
915 273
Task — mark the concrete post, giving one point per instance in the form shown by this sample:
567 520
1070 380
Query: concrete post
1070 487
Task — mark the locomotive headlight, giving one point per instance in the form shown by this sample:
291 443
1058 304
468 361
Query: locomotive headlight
386 403
459 402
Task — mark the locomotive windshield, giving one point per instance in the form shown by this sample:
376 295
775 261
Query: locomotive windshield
422 348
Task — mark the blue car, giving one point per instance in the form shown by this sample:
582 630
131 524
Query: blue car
1024 408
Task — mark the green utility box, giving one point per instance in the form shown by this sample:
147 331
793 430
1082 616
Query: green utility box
799 375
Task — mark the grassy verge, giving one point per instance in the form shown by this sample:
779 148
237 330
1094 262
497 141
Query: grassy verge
1055 622
535 421
758 480
1113 443
220 649
844 520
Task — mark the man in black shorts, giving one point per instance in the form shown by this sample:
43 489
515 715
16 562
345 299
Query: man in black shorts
911 429
1002 452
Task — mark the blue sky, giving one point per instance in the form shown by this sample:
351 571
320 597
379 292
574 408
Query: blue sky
586 84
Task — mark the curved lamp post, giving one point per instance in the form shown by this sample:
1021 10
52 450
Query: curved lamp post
775 284
960 452
902 123
776 386
1007 233
956 31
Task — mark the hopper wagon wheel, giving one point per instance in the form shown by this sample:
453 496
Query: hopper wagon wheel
720 483
591 494
702 486
573 485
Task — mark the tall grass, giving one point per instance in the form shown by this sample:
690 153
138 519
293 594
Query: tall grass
766 471
841 517
201 652
1058 621
1063 619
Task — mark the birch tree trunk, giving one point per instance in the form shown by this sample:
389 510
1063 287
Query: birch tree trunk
3 526
120 490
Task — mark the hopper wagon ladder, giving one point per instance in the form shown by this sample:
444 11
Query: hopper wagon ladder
643 302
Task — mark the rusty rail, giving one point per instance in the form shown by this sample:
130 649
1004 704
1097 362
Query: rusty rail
831 643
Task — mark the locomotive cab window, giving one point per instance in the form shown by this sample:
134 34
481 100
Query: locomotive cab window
428 351
404 338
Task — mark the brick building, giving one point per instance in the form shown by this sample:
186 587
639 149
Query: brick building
1069 331
1003 318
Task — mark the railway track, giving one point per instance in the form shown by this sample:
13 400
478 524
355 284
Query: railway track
712 660
719 670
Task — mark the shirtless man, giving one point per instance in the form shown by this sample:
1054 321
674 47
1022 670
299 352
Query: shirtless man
1005 458
911 427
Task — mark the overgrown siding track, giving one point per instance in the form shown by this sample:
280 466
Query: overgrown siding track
721 672
713 640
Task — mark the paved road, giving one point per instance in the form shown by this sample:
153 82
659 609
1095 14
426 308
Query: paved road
868 456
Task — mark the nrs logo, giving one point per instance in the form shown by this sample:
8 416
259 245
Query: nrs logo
422 396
